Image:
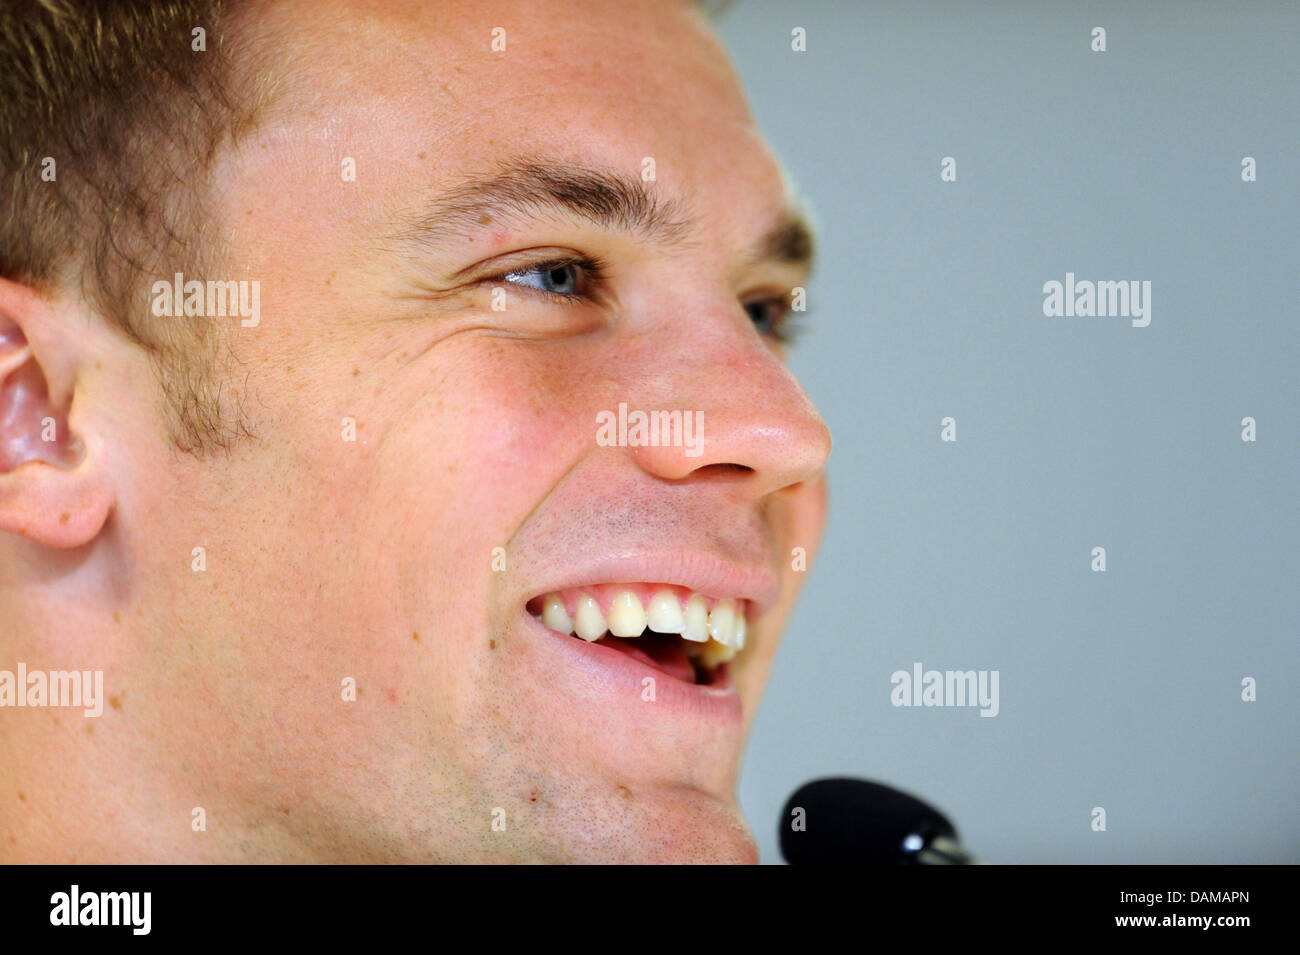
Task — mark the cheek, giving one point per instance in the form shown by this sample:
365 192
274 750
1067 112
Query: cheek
484 433
798 521
509 423
808 516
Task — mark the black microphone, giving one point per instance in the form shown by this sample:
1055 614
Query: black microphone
857 822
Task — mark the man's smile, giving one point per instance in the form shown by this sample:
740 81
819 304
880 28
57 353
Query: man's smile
651 670
689 636
682 625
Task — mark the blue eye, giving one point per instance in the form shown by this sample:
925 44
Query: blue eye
553 278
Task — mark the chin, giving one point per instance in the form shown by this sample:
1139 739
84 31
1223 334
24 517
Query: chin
721 845
736 848
694 829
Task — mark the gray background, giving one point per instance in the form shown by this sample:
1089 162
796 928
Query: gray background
1120 689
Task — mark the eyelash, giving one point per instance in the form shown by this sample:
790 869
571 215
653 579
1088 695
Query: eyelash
593 277
785 329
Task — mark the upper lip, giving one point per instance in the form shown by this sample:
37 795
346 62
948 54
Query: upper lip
701 573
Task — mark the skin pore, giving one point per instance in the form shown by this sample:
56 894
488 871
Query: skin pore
373 560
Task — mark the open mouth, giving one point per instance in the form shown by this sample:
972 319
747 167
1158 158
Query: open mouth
687 635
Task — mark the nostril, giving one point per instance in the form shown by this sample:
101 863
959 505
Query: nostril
722 470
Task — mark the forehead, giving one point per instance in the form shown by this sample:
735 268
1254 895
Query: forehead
423 95
622 47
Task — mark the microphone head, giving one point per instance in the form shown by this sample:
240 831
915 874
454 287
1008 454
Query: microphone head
854 821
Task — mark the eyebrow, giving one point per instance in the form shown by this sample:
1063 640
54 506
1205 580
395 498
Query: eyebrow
790 242
523 189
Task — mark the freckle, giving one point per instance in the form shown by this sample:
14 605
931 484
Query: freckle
90 729
285 810
65 517
415 635
355 372
115 702
22 798
492 644
484 219
421 156
117 617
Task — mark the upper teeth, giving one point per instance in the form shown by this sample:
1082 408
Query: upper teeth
714 636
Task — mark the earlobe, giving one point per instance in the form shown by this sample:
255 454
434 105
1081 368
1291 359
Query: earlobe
53 489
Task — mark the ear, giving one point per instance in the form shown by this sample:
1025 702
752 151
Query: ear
54 486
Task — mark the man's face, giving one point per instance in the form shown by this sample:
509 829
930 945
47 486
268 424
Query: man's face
413 560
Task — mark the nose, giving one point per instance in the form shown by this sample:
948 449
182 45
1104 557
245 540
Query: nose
754 424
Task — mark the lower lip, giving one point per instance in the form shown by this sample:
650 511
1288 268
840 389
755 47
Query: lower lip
718 702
